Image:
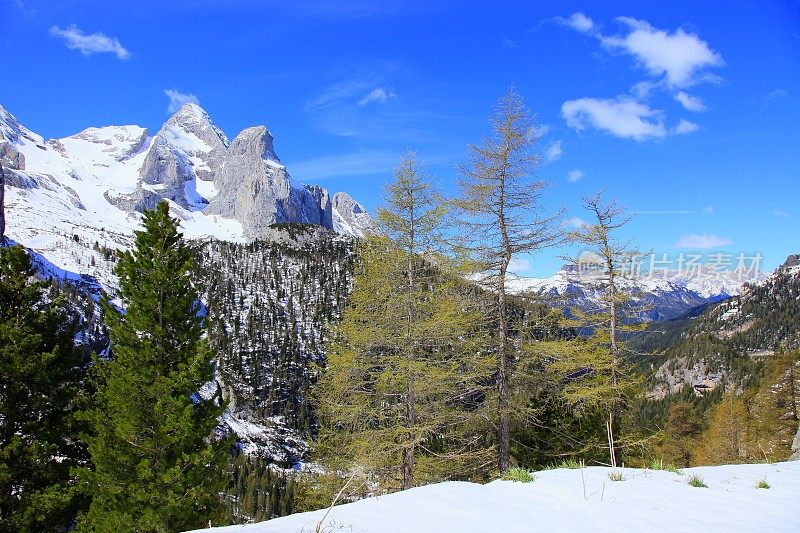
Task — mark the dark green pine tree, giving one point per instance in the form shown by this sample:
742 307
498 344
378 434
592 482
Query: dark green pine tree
157 465
39 378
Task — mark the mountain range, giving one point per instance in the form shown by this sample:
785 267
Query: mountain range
95 183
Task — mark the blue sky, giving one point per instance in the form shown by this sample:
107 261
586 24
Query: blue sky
686 112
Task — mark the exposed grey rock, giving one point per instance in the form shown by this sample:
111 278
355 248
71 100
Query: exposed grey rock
188 147
10 156
13 132
324 202
254 187
167 170
140 200
796 447
350 217
791 261
191 119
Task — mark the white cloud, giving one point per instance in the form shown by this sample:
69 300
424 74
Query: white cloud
679 57
577 21
177 99
379 95
519 265
709 209
684 127
620 117
93 43
689 102
779 213
553 151
702 241
575 175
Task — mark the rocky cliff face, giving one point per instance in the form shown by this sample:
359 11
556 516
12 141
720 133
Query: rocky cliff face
255 189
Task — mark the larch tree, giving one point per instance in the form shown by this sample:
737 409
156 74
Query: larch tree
726 439
395 399
502 216
157 464
597 375
39 380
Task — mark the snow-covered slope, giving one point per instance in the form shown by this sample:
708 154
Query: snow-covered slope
90 188
556 500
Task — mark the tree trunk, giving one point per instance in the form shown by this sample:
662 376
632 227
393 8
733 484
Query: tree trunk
504 370
2 204
616 408
504 424
411 414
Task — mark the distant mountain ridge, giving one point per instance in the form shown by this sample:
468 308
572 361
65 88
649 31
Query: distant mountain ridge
658 297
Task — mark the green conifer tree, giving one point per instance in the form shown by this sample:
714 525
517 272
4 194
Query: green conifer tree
39 378
157 464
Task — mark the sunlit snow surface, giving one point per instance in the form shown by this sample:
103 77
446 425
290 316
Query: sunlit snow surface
645 500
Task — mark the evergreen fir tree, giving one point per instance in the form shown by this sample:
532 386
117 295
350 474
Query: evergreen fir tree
157 465
39 378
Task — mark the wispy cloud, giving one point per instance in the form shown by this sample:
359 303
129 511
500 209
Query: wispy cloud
689 102
344 108
378 95
709 209
88 44
344 10
660 212
540 130
702 241
684 127
620 117
779 213
508 43
553 151
575 222
773 97
177 99
351 164
575 175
